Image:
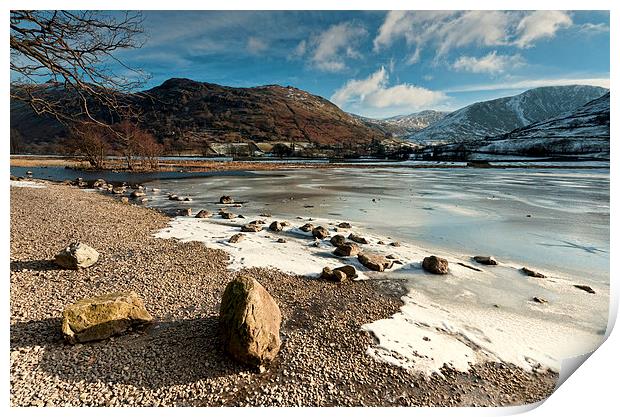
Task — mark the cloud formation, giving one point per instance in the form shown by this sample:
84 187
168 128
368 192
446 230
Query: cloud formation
448 30
337 42
256 46
375 93
539 25
492 63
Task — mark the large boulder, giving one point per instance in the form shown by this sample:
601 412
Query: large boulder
340 274
435 265
76 255
375 262
249 322
103 316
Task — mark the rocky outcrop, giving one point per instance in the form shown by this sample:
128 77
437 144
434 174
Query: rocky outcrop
435 265
375 262
76 255
103 316
249 322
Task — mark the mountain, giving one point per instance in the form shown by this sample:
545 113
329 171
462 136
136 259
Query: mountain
581 132
185 115
406 125
495 117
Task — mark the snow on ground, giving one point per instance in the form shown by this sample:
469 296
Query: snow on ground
27 184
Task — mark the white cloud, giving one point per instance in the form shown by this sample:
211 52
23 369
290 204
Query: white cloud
255 45
527 84
491 63
300 49
594 28
338 42
539 25
373 93
444 31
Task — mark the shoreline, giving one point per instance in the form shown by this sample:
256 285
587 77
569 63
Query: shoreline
323 361
181 165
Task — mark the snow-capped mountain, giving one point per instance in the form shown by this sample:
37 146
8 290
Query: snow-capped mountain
495 117
581 132
408 124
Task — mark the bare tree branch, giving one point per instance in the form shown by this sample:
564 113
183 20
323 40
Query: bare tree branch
74 51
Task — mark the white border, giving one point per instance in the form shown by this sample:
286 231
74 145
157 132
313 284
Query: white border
593 388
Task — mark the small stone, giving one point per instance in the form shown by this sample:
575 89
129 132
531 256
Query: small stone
337 240
276 227
307 227
77 255
203 214
185 212
435 265
227 215
375 262
137 193
344 225
539 300
226 199
320 232
395 244
485 260
281 240
124 200
585 288
358 239
236 238
251 228
532 273
347 249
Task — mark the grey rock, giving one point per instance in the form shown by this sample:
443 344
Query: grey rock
77 255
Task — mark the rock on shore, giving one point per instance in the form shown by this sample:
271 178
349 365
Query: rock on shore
77 255
100 317
250 322
435 265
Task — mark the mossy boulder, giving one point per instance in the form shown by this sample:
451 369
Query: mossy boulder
100 317
250 322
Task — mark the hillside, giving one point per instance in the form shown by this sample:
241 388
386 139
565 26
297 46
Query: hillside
187 115
405 125
581 132
496 117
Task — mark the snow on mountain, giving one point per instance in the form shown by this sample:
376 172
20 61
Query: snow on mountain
495 117
405 125
581 132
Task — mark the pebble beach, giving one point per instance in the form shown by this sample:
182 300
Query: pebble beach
178 361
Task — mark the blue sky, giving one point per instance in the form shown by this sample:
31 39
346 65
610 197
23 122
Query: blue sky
380 64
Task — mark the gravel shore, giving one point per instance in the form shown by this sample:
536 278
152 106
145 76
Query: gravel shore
178 361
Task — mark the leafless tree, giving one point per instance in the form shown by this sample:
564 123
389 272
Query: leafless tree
92 142
76 51
148 148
